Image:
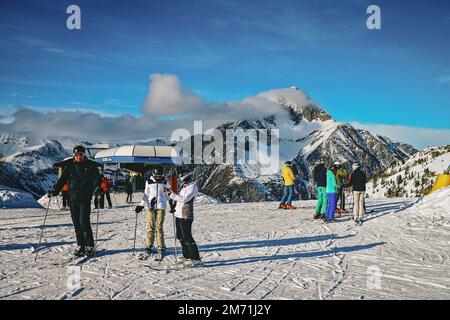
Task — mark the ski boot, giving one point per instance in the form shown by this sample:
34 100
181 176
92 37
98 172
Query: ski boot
149 250
89 252
289 206
181 260
79 252
193 263
317 216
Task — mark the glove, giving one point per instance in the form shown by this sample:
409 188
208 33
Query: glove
167 191
52 193
153 203
138 209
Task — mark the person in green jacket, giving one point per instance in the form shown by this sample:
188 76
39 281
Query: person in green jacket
332 189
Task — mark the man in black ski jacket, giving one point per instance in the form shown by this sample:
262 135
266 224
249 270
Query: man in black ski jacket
83 178
320 178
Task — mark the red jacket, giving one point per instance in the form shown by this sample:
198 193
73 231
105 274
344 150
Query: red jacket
106 185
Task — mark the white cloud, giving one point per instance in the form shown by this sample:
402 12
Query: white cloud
418 137
166 96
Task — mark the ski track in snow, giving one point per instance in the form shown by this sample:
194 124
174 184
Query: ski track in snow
250 251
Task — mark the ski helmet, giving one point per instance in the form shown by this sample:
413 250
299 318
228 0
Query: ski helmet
187 178
79 149
157 172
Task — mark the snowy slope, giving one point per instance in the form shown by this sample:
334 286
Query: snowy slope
414 177
251 251
14 198
435 206
31 169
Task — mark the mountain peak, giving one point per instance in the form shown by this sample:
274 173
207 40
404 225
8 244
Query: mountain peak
297 102
291 97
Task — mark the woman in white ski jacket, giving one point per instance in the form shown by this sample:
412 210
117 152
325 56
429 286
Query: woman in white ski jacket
184 214
155 202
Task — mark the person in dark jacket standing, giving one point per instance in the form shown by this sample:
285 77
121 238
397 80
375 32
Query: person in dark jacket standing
358 181
83 178
129 190
320 178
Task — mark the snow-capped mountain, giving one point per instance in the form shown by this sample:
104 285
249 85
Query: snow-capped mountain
31 168
12 143
306 133
412 178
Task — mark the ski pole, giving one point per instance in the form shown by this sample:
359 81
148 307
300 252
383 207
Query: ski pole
114 197
42 228
135 230
96 229
174 237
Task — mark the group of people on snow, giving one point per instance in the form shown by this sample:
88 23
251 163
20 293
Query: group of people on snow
83 179
330 190
158 197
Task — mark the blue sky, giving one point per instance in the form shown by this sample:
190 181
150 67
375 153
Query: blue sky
228 50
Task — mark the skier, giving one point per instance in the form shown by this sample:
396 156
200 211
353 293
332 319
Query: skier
83 178
184 213
105 187
155 202
341 175
289 182
358 181
129 191
332 189
320 178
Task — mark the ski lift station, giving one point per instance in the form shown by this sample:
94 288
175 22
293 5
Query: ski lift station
138 159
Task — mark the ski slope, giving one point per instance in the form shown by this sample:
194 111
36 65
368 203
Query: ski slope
250 251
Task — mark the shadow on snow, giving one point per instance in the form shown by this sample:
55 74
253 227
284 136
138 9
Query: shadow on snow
299 255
